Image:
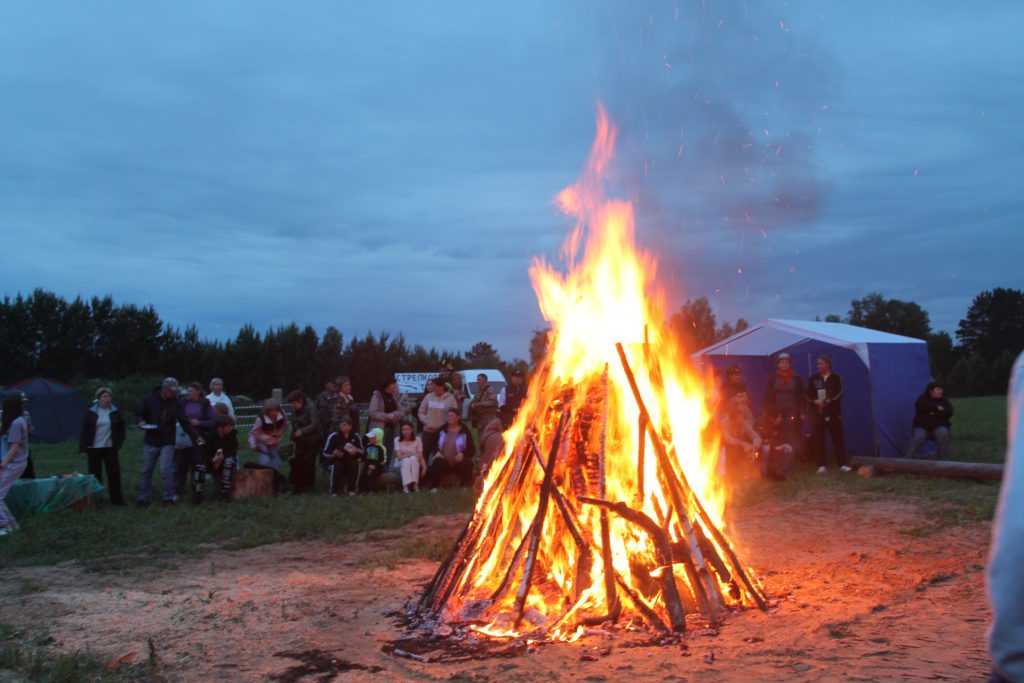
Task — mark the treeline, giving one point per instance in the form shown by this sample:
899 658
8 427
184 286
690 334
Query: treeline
80 340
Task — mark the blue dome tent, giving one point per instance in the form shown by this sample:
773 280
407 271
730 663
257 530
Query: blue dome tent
882 374
56 408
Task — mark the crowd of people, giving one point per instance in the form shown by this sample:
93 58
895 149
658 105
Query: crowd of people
777 438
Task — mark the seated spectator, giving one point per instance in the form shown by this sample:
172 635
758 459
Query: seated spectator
342 453
455 451
932 414
266 434
308 439
374 462
409 454
775 459
492 443
732 385
346 405
433 413
217 397
739 438
222 454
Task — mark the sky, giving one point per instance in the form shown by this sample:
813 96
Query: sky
392 165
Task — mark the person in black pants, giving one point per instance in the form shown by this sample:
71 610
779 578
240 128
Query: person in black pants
455 451
103 432
222 454
825 392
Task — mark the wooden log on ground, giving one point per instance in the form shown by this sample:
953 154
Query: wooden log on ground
982 471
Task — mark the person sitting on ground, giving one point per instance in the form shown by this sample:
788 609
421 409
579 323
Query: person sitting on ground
307 437
385 411
217 397
13 455
455 451
266 434
374 462
775 459
326 401
409 453
484 406
342 453
492 443
825 391
346 405
103 434
932 415
222 454
159 415
739 438
433 413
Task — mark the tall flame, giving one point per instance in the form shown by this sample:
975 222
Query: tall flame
605 294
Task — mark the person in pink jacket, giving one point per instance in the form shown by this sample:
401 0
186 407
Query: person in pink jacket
266 434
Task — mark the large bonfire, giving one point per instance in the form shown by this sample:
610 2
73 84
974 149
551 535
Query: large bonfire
605 504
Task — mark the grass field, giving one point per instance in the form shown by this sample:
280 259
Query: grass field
127 539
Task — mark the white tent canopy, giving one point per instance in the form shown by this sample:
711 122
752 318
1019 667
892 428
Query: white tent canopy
772 336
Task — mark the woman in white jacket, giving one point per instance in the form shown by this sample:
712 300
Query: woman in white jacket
409 455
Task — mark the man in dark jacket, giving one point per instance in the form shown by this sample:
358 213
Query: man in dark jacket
222 454
515 394
825 392
308 438
325 403
103 434
932 413
158 414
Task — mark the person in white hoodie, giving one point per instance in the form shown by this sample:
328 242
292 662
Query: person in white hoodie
217 395
433 414
1005 587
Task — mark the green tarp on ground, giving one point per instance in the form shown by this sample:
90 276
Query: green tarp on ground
36 496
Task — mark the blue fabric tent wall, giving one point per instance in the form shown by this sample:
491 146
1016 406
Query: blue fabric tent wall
882 374
56 408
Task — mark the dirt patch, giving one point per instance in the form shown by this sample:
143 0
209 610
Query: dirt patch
857 599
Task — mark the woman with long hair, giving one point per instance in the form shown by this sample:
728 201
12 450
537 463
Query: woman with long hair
409 452
13 455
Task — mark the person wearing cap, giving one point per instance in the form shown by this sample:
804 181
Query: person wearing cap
103 434
161 411
785 395
515 394
218 397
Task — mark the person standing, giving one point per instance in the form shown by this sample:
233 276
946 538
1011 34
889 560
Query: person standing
457 387
409 454
433 413
189 455
785 395
825 391
932 415
218 397
515 394
13 455
455 451
307 436
484 406
385 412
326 401
103 434
158 415
346 405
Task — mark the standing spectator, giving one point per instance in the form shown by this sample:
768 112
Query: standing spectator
515 394
343 451
188 454
385 413
222 454
775 460
13 455
785 394
932 413
217 396
307 437
455 451
326 401
159 413
825 391
484 406
374 462
30 468
103 434
409 453
492 442
433 413
266 434
732 385
346 405
457 387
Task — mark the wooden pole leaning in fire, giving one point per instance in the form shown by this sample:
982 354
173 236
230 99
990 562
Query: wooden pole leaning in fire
611 599
682 493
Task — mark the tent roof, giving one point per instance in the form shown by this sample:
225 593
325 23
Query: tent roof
40 385
772 336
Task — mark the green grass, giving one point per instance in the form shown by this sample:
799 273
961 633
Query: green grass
979 429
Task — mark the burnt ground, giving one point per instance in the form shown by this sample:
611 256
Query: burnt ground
865 590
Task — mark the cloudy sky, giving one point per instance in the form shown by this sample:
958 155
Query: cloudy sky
391 165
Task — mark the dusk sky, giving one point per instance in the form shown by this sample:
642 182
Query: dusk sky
391 165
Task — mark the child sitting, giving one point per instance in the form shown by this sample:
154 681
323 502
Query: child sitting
222 454
374 462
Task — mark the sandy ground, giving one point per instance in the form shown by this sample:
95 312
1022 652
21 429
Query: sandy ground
858 599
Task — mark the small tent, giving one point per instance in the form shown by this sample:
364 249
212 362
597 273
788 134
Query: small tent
56 408
882 374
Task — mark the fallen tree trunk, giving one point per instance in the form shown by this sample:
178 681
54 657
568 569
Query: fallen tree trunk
935 468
